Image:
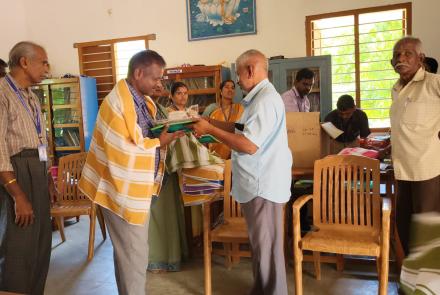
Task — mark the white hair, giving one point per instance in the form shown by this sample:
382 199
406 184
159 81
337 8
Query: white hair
247 55
409 39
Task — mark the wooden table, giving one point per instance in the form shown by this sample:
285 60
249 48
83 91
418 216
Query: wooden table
302 173
188 203
207 250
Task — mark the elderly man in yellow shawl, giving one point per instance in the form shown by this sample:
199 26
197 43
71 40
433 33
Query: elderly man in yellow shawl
124 167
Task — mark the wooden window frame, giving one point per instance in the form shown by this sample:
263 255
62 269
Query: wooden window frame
111 43
356 12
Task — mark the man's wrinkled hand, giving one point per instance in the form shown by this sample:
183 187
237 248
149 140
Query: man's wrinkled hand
384 152
201 127
166 138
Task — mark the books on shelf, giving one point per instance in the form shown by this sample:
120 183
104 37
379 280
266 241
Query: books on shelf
71 137
67 139
75 136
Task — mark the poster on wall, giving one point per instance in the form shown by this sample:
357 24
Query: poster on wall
220 18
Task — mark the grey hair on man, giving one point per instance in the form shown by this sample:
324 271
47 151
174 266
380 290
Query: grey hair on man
250 56
410 39
22 49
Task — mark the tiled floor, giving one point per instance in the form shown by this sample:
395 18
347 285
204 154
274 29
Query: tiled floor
71 274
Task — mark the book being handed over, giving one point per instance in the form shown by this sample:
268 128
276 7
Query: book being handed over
331 130
177 120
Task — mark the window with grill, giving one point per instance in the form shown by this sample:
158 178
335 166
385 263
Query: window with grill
107 60
361 45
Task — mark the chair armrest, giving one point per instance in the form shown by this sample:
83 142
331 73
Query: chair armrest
385 230
386 212
301 202
386 207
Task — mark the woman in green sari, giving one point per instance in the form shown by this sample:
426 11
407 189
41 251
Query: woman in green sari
166 233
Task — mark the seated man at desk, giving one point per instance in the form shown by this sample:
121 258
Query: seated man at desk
351 120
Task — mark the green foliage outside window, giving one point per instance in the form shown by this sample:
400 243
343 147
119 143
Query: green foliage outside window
377 77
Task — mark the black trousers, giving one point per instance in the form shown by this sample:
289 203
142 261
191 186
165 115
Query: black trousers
415 197
25 252
304 220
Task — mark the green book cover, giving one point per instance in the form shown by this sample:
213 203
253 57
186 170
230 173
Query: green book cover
172 127
208 138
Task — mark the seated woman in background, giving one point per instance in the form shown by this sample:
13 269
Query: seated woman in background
166 232
351 120
179 97
226 112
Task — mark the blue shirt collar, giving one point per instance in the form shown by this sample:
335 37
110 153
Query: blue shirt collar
248 98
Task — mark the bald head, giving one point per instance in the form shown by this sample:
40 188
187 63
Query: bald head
252 67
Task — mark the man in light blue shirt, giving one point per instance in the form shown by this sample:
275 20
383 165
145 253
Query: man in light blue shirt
261 169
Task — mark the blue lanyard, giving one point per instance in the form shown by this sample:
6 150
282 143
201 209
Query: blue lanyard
37 121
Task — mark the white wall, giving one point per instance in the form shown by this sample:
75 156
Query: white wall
426 24
280 25
13 23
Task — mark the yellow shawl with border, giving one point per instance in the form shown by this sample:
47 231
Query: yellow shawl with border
119 170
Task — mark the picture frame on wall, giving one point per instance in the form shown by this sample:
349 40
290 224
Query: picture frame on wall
220 18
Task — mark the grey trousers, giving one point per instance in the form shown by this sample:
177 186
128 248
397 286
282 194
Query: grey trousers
415 197
265 226
130 253
25 252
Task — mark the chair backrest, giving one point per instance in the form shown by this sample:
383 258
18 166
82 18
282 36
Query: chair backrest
231 208
69 172
346 192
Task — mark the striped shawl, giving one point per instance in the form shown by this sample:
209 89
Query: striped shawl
421 269
119 170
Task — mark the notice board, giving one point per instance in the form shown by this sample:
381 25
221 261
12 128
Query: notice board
305 138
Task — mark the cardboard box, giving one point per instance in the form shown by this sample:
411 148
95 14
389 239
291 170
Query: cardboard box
307 141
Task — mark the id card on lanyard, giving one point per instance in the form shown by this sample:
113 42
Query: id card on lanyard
42 148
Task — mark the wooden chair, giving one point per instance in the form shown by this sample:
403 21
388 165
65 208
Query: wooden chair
348 217
71 201
232 232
